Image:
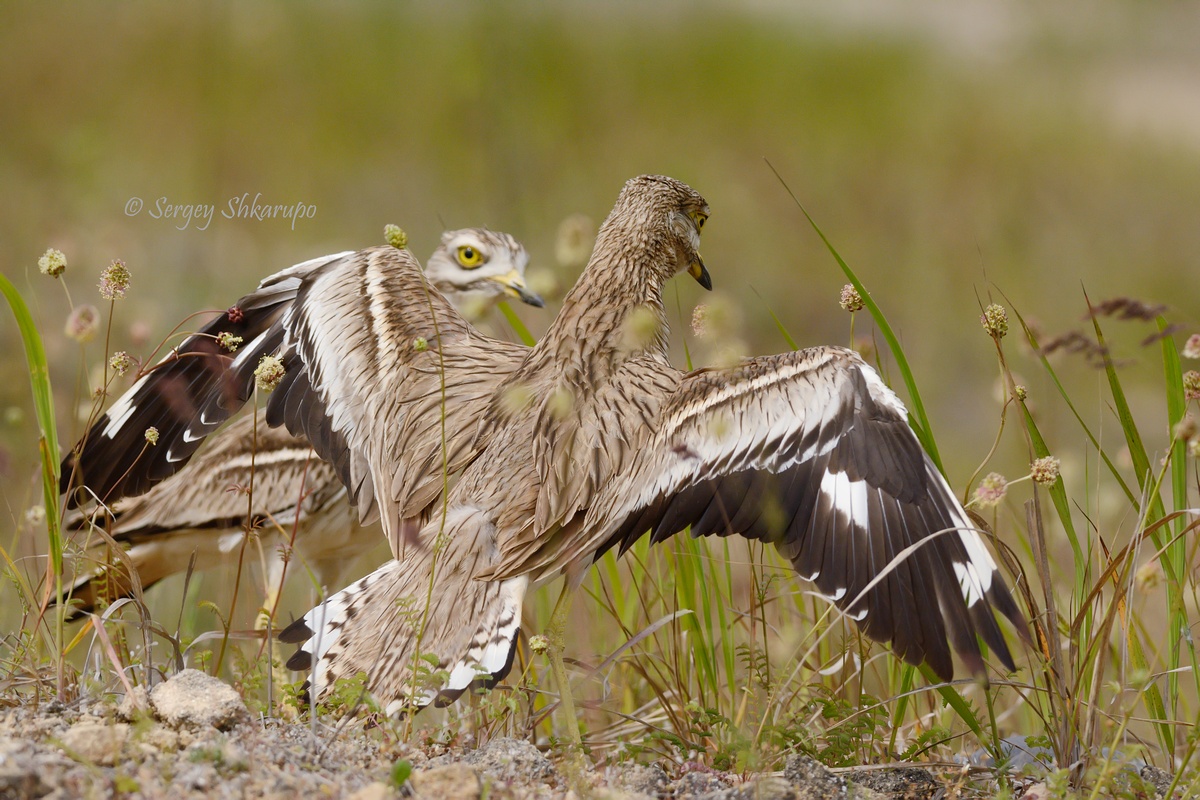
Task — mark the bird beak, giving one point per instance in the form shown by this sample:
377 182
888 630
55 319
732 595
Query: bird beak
514 285
700 272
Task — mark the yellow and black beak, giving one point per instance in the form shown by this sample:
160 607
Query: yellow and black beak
514 286
700 272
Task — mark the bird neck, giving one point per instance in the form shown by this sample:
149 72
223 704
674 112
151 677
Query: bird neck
615 310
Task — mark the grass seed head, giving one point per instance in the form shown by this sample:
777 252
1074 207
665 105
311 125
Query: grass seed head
1191 348
395 236
995 321
152 435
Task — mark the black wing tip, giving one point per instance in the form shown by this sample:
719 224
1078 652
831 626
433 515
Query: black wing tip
296 633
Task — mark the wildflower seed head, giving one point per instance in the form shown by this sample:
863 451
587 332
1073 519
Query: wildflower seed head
83 324
851 300
642 327
560 402
1191 348
52 263
228 341
268 373
1185 429
1148 576
516 398
539 644
395 236
719 318
420 344
234 314
990 490
35 515
152 435
1194 448
1191 385
121 362
995 321
1045 470
573 244
1021 392
114 280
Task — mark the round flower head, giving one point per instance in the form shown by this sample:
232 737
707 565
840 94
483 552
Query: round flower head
1191 349
52 263
114 280
268 373
228 341
851 300
83 324
1045 470
121 362
990 490
1191 385
152 435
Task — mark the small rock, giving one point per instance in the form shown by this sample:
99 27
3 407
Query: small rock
699 784
1160 779
451 782
812 779
510 761
193 698
897 783
95 742
648 780
771 788
375 791
134 705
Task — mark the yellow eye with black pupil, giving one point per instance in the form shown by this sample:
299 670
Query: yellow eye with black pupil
469 257
699 219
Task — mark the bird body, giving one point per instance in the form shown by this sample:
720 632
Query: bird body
297 503
584 442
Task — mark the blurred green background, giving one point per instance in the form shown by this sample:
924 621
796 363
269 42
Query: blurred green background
949 150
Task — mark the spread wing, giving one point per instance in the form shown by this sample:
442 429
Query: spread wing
210 493
114 460
812 452
381 375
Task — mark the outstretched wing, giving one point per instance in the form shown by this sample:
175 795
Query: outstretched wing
381 375
114 459
812 452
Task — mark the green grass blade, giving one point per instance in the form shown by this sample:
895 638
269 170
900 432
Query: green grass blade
1031 337
43 403
517 325
917 416
1133 438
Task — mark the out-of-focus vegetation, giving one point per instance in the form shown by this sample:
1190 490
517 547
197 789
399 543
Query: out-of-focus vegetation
951 155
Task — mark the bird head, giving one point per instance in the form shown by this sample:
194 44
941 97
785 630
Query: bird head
672 210
487 264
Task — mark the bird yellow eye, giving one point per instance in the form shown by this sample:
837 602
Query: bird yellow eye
699 219
469 257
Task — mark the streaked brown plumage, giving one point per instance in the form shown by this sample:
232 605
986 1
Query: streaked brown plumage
201 510
585 442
